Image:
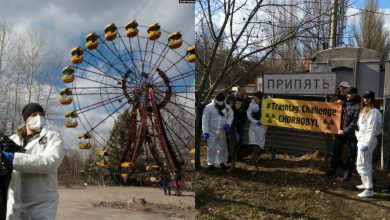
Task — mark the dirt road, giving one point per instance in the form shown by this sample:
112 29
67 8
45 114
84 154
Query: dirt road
78 203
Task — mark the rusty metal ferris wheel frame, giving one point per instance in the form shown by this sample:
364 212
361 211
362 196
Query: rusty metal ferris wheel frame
131 69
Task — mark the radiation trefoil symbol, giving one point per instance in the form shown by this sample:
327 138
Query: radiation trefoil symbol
328 123
270 117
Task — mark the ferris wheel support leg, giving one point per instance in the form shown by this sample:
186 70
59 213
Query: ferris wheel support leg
153 151
132 132
172 162
135 150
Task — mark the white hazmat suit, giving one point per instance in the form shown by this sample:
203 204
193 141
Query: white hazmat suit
33 190
370 125
213 123
256 132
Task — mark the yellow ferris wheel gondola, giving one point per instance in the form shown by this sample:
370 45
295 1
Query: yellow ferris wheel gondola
110 32
77 55
192 151
152 167
91 41
125 176
125 164
70 120
66 96
191 54
154 31
174 40
103 153
67 74
103 163
84 141
154 173
131 29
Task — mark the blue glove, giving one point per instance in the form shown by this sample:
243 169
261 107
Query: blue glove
259 123
8 159
364 149
206 135
226 127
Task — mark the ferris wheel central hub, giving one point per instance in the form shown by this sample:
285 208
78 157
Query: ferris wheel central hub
133 95
144 75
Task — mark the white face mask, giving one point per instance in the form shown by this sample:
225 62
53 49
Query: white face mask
36 123
220 103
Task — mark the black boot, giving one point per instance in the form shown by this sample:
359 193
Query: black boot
386 190
329 173
224 167
347 176
211 168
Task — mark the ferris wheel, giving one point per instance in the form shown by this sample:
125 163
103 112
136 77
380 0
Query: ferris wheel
140 70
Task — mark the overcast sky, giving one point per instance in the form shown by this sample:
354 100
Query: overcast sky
66 22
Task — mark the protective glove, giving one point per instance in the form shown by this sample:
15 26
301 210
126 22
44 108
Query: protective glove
8 159
364 149
259 123
226 127
206 135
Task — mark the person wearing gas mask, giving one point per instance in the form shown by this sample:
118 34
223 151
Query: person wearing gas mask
369 127
33 188
256 129
216 120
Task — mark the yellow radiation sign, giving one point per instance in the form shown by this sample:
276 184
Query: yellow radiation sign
305 115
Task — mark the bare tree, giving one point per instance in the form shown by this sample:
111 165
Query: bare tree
27 74
5 32
233 31
371 32
33 45
71 168
286 56
5 44
317 37
18 68
341 21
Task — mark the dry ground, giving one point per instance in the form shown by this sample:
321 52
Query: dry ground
288 187
105 203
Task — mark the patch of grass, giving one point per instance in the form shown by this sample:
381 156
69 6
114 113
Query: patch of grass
289 187
188 185
168 210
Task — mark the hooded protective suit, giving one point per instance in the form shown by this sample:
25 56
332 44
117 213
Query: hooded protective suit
213 123
370 125
33 190
256 132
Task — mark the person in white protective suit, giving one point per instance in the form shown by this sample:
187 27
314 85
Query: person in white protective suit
369 127
257 130
33 189
216 121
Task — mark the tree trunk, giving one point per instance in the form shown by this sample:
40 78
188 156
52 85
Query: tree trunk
198 133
